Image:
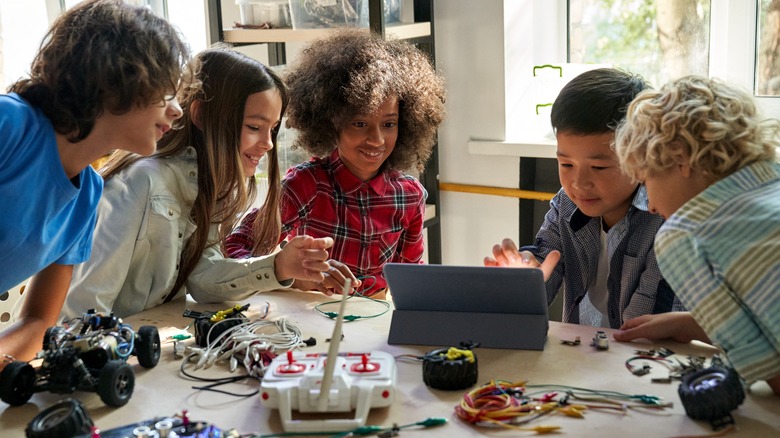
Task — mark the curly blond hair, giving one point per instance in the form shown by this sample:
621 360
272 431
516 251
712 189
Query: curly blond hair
713 126
353 72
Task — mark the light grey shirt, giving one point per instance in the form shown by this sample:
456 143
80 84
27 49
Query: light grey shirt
142 226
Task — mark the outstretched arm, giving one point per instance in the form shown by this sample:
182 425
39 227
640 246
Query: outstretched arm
43 298
679 326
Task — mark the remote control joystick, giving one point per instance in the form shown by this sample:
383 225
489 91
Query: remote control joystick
364 366
291 367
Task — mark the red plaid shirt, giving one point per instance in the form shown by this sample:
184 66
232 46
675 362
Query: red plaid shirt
371 223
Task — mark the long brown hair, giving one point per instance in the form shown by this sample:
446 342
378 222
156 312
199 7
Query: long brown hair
224 80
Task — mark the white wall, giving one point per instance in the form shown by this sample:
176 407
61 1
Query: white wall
470 47
469 52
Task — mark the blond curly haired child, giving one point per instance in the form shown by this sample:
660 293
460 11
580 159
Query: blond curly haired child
708 160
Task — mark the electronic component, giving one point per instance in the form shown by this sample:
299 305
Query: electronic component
336 382
361 381
576 341
209 325
711 394
600 341
450 369
70 418
89 354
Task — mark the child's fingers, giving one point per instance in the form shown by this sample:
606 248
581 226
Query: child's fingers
489 261
499 257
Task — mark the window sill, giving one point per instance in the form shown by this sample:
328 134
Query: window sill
541 148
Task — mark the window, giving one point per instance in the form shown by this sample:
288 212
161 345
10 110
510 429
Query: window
25 23
660 40
768 44
22 26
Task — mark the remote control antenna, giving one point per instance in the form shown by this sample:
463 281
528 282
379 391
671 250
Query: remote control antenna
333 351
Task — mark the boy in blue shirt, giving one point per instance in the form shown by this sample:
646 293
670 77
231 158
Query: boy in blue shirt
708 160
597 238
102 80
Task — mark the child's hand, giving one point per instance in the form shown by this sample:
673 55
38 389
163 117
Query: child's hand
679 326
334 280
304 258
506 255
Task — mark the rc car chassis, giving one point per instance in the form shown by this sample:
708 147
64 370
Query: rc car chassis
87 354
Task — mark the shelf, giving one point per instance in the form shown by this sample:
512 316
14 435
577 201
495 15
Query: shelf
541 148
259 36
430 212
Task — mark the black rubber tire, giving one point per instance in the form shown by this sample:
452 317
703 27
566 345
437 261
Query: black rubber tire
147 346
116 383
68 417
449 375
711 394
17 383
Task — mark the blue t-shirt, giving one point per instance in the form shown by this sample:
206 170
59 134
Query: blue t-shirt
45 217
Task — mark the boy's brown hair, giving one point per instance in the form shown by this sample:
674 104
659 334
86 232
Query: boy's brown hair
102 55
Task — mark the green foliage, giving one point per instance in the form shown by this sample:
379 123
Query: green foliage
624 33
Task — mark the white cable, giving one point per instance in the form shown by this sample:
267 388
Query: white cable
245 343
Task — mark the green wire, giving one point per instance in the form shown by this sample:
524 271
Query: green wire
362 431
644 398
350 318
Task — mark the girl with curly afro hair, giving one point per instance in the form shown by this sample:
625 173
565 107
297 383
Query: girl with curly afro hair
367 110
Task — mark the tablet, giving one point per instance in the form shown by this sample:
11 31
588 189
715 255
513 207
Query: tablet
445 305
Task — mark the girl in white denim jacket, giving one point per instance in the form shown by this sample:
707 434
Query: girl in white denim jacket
162 219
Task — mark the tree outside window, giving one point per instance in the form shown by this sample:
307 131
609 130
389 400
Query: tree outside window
659 39
768 60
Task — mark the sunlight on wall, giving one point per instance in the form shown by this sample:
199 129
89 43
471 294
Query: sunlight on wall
23 27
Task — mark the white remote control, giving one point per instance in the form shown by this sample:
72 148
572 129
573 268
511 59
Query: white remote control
336 382
361 381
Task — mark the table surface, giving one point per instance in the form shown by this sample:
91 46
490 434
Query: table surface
162 391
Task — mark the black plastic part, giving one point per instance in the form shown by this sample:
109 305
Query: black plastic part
446 374
116 383
68 417
17 383
206 331
147 346
711 394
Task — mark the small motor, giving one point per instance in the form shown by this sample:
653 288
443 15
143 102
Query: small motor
209 325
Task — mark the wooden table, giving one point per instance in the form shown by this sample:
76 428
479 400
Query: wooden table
161 391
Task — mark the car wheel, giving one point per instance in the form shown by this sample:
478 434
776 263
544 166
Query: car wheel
147 346
449 374
68 417
116 383
17 383
711 394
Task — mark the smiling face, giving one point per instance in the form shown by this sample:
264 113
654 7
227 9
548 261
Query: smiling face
262 113
139 129
590 176
366 141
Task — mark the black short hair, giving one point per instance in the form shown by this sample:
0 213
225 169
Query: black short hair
595 102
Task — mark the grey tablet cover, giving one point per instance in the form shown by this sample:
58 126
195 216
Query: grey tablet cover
443 305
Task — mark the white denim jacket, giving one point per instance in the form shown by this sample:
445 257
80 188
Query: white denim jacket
143 223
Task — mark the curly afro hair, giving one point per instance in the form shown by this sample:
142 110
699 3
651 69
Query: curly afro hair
353 72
